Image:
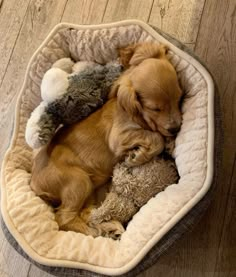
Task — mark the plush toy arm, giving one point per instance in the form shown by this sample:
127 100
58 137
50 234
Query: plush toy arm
65 64
114 207
84 65
40 127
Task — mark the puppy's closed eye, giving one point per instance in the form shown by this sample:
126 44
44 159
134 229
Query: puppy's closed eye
157 109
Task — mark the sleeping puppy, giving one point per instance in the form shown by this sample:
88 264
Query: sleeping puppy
143 107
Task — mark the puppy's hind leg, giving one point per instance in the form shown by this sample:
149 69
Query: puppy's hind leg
77 189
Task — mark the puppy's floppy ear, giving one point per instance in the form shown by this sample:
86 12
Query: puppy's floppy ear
126 54
135 54
114 90
148 50
127 97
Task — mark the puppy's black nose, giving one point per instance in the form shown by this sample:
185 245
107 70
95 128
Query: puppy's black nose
174 130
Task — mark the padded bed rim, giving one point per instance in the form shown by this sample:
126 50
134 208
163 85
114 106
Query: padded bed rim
185 209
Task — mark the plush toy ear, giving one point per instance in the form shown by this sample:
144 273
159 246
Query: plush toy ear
135 54
65 64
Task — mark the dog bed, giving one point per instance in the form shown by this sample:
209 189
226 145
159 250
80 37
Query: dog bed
30 220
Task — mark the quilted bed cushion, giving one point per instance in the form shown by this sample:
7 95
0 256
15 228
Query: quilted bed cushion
31 221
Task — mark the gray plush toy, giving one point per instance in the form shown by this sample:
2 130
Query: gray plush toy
70 92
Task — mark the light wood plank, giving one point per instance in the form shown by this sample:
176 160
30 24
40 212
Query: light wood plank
11 263
179 18
190 45
40 18
122 9
37 272
11 17
84 11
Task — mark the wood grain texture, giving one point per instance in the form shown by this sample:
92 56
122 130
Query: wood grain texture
1 1
217 46
122 9
225 265
12 14
37 272
190 46
84 11
180 18
226 259
40 18
11 263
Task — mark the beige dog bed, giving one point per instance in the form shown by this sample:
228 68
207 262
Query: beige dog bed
31 221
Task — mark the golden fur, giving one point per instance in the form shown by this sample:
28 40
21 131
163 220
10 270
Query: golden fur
143 106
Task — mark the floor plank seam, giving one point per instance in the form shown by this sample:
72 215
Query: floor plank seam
150 11
63 11
199 26
1 4
13 48
105 10
232 174
224 220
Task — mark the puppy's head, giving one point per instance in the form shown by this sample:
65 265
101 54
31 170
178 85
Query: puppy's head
148 90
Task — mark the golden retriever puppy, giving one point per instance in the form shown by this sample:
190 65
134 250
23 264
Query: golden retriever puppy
143 107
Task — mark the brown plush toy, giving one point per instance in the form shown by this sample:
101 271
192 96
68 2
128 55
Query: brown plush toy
131 188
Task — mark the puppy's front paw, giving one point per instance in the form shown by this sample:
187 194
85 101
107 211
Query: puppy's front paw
136 157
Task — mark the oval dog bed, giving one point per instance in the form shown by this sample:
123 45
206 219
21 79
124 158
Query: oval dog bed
31 221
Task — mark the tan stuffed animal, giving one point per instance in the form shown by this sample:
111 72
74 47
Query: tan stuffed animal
131 188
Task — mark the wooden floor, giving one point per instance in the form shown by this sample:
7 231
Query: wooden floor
208 27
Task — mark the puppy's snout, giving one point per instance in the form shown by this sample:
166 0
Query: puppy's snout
174 130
